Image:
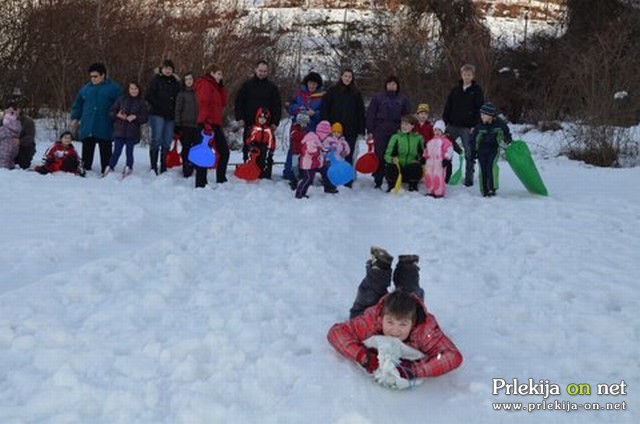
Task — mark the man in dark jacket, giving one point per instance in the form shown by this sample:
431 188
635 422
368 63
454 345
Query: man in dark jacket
461 113
257 92
161 94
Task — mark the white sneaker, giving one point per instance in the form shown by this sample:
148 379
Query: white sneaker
107 171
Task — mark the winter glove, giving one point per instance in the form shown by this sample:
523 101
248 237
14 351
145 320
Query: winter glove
370 361
208 128
405 369
456 147
446 162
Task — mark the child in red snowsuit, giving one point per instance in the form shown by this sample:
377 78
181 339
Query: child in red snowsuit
401 314
299 129
261 137
61 156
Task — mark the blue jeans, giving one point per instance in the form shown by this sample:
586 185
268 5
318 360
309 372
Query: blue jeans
119 143
161 132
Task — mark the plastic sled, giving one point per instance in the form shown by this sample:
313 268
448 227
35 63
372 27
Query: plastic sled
340 172
396 188
368 163
457 176
249 171
173 157
202 155
520 160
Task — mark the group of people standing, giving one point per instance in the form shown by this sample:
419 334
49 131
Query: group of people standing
102 115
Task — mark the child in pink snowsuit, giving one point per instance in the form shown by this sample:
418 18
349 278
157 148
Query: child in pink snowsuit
337 142
437 152
312 160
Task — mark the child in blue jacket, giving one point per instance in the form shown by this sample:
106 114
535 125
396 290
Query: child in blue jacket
488 135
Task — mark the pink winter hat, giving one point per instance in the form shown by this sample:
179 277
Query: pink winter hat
323 129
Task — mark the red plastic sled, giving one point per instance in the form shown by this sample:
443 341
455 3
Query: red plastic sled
249 171
368 163
173 156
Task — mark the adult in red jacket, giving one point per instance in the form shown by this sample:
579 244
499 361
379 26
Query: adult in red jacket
212 99
424 334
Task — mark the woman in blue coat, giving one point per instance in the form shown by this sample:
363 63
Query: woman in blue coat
90 112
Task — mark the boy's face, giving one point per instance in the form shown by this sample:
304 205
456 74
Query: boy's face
422 117
486 119
406 127
467 77
66 140
396 327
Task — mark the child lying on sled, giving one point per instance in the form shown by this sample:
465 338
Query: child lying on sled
415 348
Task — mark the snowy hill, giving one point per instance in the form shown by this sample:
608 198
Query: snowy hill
146 301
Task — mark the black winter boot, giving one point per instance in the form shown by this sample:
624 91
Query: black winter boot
408 259
163 161
380 258
153 160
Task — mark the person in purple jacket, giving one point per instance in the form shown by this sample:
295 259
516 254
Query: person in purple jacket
383 120
129 113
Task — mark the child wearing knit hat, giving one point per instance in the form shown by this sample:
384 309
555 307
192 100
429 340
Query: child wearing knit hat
423 127
488 136
337 142
312 160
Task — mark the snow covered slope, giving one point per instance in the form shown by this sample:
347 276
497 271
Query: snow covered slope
146 301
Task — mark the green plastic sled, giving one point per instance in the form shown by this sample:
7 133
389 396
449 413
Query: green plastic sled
455 177
519 158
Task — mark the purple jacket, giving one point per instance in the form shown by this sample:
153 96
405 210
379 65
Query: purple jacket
384 113
131 106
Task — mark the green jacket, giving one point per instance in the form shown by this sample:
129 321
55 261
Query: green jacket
407 147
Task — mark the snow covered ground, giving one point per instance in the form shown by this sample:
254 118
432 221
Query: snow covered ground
146 301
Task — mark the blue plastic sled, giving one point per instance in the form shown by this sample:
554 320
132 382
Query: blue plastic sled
202 155
340 172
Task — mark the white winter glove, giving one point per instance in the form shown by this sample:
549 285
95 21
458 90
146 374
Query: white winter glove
390 353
